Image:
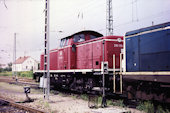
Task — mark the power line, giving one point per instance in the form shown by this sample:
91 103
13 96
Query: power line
145 18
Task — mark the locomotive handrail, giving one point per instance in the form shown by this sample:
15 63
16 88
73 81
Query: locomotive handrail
114 76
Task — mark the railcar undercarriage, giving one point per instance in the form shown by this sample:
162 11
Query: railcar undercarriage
133 87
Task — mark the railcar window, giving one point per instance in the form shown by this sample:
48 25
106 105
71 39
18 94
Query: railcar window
62 42
79 38
93 37
66 43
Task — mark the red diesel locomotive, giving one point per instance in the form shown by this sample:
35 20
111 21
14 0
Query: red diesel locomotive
78 63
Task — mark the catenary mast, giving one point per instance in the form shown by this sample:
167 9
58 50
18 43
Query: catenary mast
46 75
109 18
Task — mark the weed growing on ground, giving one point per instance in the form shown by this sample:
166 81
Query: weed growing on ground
43 104
161 110
109 102
118 103
60 94
74 96
46 105
84 97
147 106
99 99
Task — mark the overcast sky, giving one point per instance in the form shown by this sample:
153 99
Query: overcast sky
26 18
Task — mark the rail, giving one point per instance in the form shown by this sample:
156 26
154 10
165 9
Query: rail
30 109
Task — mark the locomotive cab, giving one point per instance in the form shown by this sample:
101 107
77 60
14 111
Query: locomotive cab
68 48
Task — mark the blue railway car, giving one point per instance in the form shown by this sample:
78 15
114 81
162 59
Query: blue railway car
148 49
146 73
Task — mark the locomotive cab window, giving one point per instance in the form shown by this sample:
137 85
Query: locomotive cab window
64 42
93 37
79 38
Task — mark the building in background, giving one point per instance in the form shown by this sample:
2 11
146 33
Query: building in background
25 63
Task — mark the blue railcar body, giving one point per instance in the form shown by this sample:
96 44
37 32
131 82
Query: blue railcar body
148 49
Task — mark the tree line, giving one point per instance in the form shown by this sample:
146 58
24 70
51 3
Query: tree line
8 68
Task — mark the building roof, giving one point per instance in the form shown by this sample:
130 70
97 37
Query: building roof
20 60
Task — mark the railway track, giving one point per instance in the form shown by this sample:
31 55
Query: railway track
7 106
21 81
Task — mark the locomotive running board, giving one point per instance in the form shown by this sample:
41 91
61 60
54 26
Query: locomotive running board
83 71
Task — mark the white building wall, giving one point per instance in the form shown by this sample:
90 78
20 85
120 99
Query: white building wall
18 67
28 65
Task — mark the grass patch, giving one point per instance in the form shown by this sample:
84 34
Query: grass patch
28 74
161 110
74 96
6 73
84 97
110 102
118 103
147 107
43 104
11 87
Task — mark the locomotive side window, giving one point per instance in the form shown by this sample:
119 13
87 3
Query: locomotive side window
62 43
93 37
79 38
66 43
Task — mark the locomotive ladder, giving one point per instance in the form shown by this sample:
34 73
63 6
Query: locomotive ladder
117 78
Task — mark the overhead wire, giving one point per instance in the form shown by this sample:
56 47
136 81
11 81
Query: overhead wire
5 5
145 18
84 8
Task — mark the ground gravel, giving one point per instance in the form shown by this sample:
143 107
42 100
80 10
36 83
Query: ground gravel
57 103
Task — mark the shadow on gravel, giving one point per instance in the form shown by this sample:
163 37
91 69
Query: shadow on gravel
27 101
